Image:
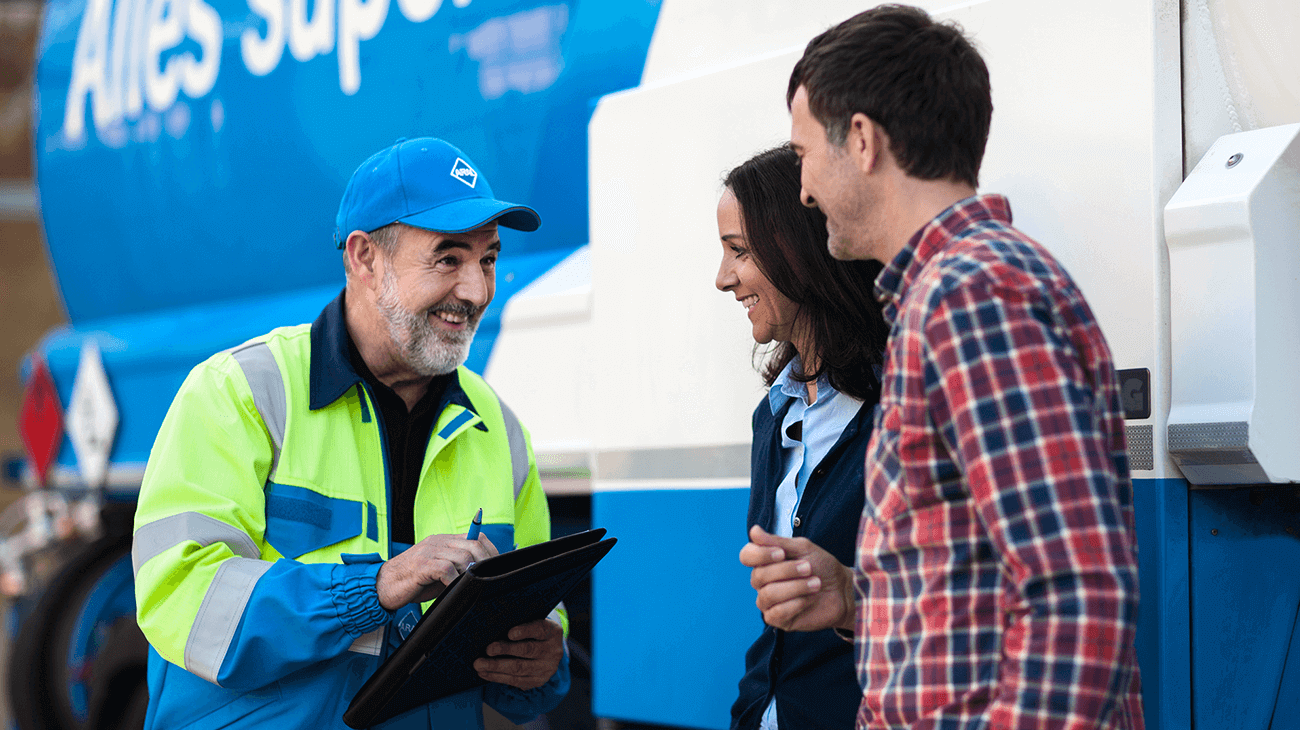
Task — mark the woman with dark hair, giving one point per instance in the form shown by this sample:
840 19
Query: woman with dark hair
811 429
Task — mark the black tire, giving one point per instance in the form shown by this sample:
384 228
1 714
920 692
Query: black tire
119 688
39 677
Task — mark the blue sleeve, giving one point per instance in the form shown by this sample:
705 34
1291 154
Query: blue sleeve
522 705
300 614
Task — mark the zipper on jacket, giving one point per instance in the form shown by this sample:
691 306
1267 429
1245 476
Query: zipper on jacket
364 392
383 452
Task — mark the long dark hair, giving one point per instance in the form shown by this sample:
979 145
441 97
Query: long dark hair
836 300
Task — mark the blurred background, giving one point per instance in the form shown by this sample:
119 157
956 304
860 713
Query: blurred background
28 304
27 298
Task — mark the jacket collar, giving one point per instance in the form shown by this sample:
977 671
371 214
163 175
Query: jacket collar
332 373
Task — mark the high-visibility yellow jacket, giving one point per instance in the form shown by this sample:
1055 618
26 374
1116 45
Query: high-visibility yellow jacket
263 520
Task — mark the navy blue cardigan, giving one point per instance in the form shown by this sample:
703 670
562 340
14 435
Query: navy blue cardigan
810 673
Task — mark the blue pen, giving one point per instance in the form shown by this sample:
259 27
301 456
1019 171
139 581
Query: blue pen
475 526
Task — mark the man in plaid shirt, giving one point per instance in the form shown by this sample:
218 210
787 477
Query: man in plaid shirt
996 582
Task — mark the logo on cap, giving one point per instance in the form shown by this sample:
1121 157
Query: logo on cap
464 173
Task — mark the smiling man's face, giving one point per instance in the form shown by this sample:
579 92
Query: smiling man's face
434 290
830 182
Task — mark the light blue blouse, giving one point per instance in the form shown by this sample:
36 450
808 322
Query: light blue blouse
823 422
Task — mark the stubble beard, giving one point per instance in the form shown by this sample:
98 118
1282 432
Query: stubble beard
855 234
846 212
841 247
844 245
424 348
848 225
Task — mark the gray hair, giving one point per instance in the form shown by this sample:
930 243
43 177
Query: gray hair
385 239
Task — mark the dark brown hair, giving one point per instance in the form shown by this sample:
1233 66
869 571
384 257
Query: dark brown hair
836 299
921 81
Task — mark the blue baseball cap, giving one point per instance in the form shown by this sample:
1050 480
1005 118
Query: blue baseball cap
427 183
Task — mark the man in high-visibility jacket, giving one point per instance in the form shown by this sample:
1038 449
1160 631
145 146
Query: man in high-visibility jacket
311 487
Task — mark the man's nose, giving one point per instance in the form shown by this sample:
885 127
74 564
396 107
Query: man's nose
806 198
474 286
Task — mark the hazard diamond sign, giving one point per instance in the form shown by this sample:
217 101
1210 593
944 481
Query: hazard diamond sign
40 420
92 416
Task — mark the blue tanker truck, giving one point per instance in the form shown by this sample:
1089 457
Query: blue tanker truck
190 158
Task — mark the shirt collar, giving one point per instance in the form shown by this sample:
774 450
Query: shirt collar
332 373
786 387
934 237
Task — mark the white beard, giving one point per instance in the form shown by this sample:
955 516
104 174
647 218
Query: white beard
425 349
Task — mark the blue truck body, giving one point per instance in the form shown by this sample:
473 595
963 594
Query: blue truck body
189 173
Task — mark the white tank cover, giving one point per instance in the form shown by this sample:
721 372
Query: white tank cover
1233 231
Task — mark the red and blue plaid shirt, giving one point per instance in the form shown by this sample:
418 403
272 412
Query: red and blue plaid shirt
997 566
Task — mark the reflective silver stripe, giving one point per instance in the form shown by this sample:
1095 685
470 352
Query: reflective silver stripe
161 535
219 615
267 384
369 643
696 462
518 447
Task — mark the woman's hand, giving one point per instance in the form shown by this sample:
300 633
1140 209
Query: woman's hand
801 587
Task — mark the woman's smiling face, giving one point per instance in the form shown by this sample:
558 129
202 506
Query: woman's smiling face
771 314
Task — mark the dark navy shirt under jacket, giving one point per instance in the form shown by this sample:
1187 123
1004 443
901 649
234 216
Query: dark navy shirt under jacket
811 674
406 433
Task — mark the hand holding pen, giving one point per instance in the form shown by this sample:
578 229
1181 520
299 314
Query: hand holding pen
429 566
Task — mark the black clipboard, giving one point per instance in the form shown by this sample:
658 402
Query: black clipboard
478 608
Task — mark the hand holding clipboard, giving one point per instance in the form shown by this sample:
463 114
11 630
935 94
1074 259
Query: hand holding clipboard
478 608
530 652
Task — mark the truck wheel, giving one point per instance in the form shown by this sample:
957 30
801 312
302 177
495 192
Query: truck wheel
71 632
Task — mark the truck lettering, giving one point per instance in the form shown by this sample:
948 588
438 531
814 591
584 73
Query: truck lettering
121 76
166 30
358 21
125 56
418 11
310 38
262 53
203 24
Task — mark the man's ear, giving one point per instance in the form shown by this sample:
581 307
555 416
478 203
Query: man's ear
362 255
866 142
